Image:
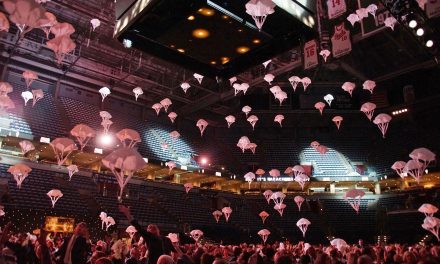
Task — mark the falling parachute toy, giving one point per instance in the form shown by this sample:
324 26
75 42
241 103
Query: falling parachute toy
198 77
281 96
263 215
156 107
279 119
337 120
274 173
325 54
259 10
354 197
131 230
249 177
37 95
109 221
29 77
301 179
196 235
227 212
268 195
424 156
172 116
306 82
399 167
123 163
294 81
185 86
299 201
72 169
369 85
253 119
62 147
260 172
27 95
269 78
83 134
428 209
217 214
329 99
243 143
303 224
166 103
171 165
202 124
264 234
368 109
278 197
432 224
230 119
390 22
19 172
137 92
280 208
382 121
246 109
128 137
103 217
54 196
349 87
414 168
320 106
104 91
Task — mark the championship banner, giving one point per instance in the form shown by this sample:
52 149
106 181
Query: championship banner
371 24
310 54
432 8
341 43
336 8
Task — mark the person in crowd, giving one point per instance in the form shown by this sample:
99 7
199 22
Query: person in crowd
76 248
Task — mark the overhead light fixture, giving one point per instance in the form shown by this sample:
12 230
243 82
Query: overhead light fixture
242 49
420 32
191 18
429 43
181 50
200 33
206 11
412 23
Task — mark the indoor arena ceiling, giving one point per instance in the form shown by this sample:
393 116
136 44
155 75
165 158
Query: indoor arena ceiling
100 60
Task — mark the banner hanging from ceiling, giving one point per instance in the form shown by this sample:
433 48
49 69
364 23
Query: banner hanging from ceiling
310 54
336 8
341 43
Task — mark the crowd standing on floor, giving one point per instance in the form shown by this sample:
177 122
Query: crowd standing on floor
148 246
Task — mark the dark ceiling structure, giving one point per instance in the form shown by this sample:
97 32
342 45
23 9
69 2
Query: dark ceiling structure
101 60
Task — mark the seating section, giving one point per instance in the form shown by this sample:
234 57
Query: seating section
330 164
35 120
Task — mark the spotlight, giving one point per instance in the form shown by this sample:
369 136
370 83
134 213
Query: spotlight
429 43
106 139
127 43
412 23
420 32
204 161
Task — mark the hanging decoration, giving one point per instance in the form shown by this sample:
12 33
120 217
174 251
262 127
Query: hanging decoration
432 224
240 87
72 169
281 96
303 224
29 77
301 179
217 214
188 186
337 120
325 54
166 103
354 197
349 87
128 137
137 92
266 63
320 106
27 95
341 43
280 208
299 201
294 81
198 77
62 147
172 116
263 215
274 173
269 78
24 14
171 165
260 172
428 209
249 177
399 167
268 195
279 119
20 172
259 10
310 54
4 22
227 212
246 109
185 86
382 121
264 234
106 122
61 44
329 99
83 134
26 146
369 86
202 124
37 95
174 135
368 109
47 23
54 196
104 91
156 107
230 119
390 22
196 235
335 8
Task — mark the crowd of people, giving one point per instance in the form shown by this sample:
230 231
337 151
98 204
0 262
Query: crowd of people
148 246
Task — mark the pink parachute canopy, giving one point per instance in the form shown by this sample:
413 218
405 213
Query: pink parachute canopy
325 54
61 46
174 134
202 124
268 195
263 215
279 119
369 85
432 224
280 208
260 172
424 155
275 89
288 170
278 197
72 169
398 166
303 224
62 29
137 92
259 10
354 197
54 195
172 116
29 77
353 18
264 234
349 87
62 147
297 169
252 147
301 179
428 209
382 121
337 120
299 200
269 78
24 14
274 173
246 109
123 162
306 82
37 95
20 172
294 81
281 96
171 165
230 119
196 234
368 109
227 212
156 107
128 137
243 143
253 119
415 169
47 23
166 103
320 106
185 86
83 134
188 186
217 214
